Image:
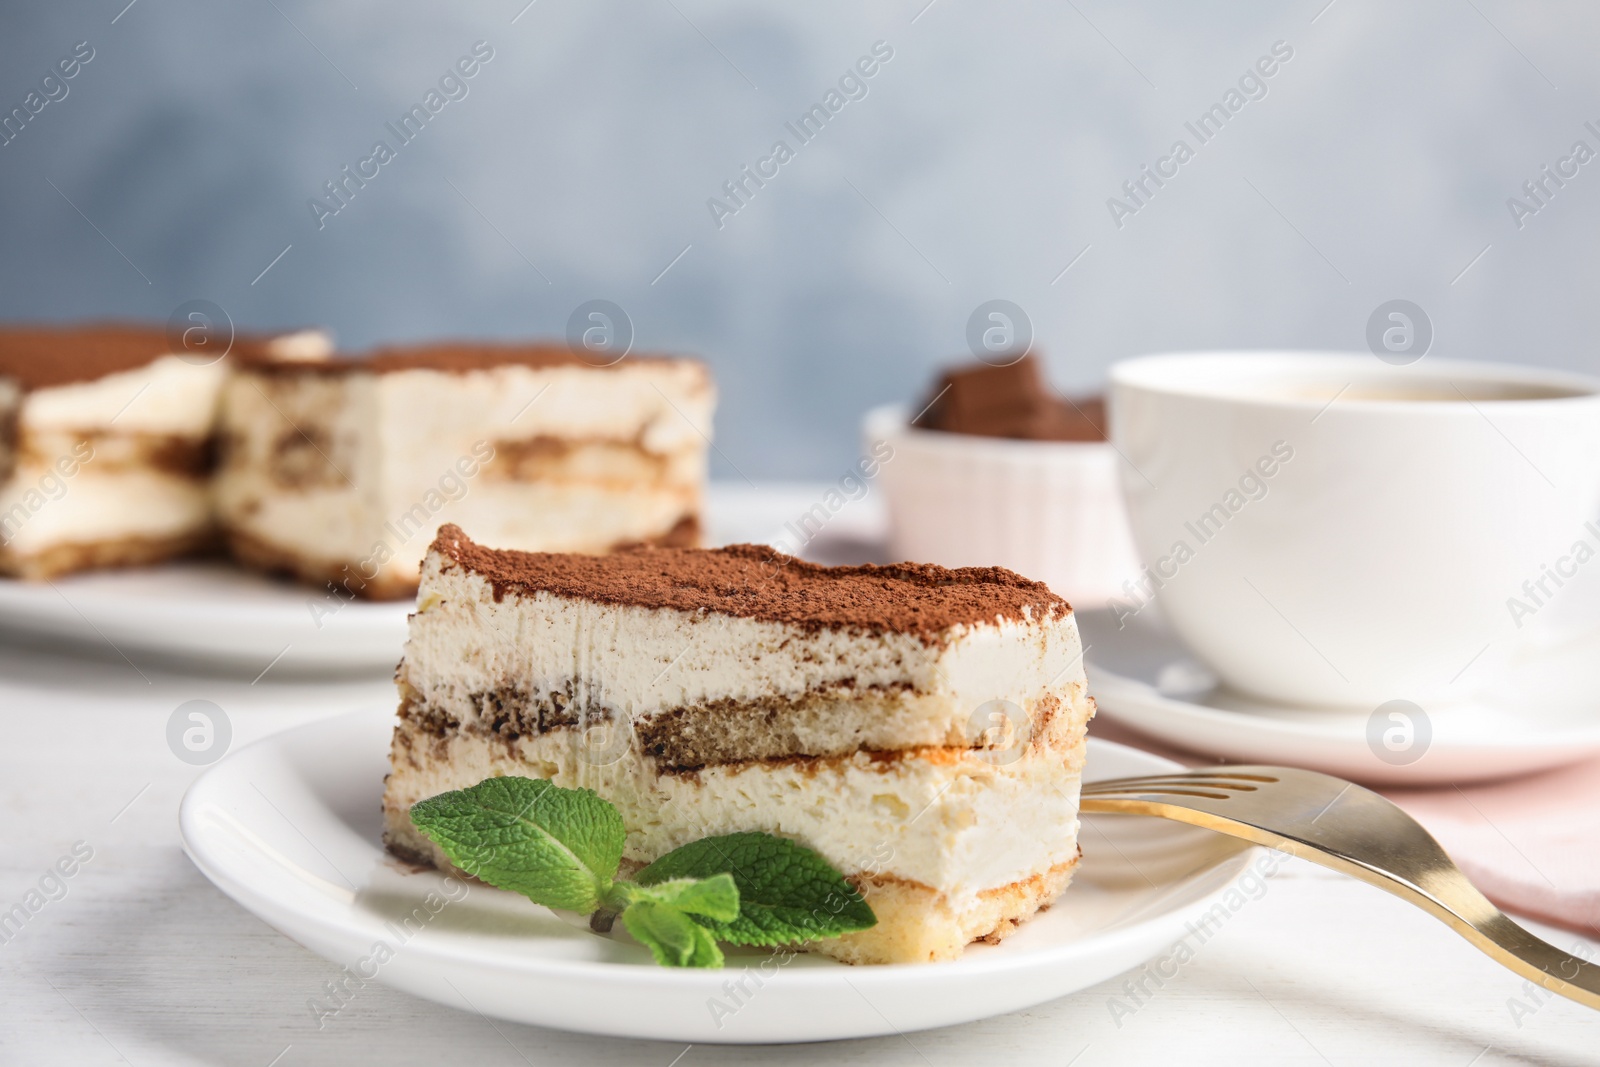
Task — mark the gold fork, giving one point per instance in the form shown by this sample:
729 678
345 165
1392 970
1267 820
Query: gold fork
1354 831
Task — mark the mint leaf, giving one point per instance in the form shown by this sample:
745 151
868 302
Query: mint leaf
716 897
558 847
673 938
787 893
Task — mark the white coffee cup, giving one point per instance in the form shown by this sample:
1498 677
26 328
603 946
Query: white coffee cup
1329 529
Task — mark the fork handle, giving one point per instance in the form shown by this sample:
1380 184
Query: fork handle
1444 892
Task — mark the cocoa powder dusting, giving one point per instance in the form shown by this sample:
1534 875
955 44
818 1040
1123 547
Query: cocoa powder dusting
757 582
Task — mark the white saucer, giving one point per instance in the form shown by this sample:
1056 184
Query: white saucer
1543 712
289 827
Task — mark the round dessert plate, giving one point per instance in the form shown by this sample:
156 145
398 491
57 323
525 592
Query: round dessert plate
290 828
211 612
1542 712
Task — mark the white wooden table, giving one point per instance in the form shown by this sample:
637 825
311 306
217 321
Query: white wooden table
141 961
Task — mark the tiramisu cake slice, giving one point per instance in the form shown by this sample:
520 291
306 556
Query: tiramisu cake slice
339 471
105 446
921 728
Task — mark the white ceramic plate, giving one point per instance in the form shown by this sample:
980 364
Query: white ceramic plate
1543 712
289 827
210 612
217 614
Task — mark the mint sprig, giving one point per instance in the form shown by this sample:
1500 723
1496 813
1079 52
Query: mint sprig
787 893
562 848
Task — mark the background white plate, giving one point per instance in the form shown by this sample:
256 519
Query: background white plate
210 612
1545 712
289 827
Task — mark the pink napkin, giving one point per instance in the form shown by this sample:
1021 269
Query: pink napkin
1531 844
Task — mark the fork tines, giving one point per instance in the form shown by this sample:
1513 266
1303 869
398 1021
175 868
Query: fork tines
1214 785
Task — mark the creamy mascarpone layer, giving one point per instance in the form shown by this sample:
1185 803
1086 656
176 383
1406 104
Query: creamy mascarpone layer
661 406
302 346
339 526
167 396
641 660
958 827
39 508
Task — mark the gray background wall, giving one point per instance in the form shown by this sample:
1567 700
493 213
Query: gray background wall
977 166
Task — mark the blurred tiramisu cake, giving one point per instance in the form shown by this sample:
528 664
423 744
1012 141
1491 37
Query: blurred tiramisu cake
921 728
105 444
339 471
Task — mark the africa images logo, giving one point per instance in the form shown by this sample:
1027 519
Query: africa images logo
852 85
342 189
